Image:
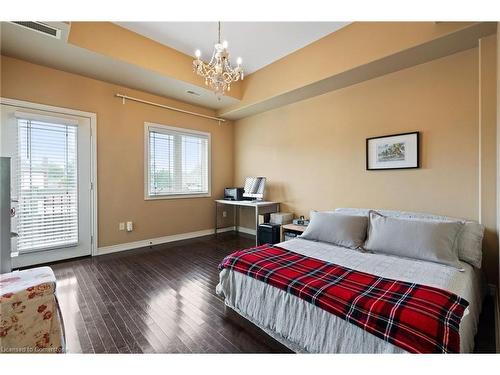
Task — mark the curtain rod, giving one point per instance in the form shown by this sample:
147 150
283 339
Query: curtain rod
168 107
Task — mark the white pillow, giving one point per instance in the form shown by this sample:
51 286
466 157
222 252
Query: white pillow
470 239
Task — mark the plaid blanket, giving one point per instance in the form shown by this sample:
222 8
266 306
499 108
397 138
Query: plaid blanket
416 318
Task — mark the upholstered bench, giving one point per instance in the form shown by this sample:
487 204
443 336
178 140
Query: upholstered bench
30 320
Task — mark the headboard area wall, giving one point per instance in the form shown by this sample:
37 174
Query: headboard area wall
313 152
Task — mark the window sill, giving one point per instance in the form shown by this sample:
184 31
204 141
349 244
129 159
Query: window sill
177 196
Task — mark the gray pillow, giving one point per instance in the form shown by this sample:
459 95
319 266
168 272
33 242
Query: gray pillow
469 242
338 229
433 241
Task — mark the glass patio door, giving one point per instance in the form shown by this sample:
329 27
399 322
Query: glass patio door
50 183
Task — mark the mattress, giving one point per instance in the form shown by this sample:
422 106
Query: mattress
305 328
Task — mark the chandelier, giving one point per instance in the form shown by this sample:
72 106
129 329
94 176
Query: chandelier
218 73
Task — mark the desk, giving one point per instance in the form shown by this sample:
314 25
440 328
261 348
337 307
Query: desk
261 208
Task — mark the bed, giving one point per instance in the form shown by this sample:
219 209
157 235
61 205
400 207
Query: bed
306 328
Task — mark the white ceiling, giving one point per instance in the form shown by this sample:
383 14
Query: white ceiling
258 43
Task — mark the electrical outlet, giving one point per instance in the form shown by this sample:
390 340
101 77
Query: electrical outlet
224 213
121 226
130 226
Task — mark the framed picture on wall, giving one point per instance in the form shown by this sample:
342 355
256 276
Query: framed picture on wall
396 151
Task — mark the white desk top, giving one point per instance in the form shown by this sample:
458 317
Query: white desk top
246 203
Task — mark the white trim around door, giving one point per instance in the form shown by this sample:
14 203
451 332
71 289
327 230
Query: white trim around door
93 152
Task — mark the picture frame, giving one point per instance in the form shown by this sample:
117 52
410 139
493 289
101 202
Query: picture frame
394 151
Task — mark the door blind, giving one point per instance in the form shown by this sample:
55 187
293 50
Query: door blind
178 162
47 185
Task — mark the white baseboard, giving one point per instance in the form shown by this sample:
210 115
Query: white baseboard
246 230
237 228
165 239
222 230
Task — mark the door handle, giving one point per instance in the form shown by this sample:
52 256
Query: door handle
14 234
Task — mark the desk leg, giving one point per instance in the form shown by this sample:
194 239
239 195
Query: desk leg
256 225
235 208
216 216
238 212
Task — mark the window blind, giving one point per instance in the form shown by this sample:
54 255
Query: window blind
47 185
178 162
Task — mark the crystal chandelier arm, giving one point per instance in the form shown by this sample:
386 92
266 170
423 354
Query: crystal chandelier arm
231 77
213 60
227 65
205 69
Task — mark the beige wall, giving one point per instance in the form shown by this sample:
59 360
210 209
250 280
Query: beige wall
120 149
313 152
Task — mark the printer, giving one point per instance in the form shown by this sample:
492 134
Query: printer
233 193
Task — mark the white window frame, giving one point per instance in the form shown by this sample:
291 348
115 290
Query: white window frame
147 128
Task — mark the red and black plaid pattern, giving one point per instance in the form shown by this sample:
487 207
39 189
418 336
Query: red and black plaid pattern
416 318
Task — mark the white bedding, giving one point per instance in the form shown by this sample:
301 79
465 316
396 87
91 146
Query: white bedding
305 328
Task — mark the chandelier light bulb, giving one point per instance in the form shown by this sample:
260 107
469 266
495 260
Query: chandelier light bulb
239 60
225 44
197 53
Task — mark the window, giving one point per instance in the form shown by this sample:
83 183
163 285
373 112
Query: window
178 162
47 185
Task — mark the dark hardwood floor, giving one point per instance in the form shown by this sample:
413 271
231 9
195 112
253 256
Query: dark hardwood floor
155 300
162 300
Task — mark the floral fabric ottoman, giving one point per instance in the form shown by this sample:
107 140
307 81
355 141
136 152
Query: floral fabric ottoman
30 320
